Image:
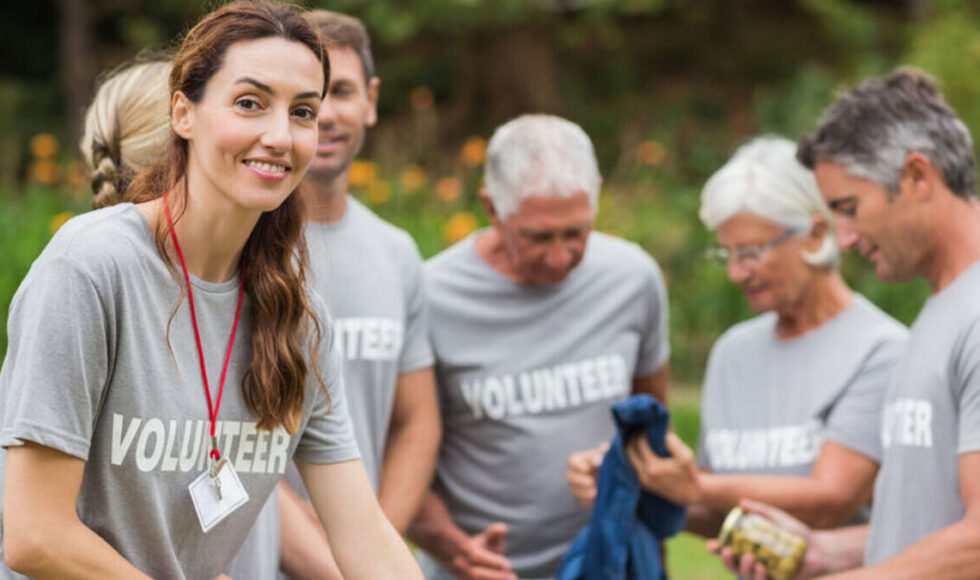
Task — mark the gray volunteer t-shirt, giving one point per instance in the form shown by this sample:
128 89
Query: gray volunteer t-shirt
526 377
370 275
768 404
89 372
931 417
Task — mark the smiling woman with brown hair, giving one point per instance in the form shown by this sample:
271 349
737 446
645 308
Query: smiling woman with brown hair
122 458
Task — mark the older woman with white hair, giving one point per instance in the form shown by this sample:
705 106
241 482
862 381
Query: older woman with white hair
791 401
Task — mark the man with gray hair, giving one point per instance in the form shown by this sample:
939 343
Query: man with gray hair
895 163
538 324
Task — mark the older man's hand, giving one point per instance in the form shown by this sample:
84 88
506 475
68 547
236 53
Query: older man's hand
674 478
583 472
482 556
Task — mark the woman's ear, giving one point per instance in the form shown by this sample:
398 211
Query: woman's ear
182 115
817 232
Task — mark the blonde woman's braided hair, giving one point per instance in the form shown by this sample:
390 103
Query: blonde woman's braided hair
127 126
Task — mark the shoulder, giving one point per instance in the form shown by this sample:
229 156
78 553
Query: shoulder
622 264
112 238
868 329
609 252
378 230
456 257
876 321
746 334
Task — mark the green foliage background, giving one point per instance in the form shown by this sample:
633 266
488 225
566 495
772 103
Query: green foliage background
694 78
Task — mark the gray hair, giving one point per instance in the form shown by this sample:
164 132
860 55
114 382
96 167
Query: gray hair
764 178
539 155
871 130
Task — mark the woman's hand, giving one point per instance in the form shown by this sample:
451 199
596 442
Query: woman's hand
674 478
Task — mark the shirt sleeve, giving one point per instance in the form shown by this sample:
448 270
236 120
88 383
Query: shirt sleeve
966 390
655 342
855 421
58 363
328 436
416 350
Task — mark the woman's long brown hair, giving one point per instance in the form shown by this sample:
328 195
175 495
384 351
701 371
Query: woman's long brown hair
285 331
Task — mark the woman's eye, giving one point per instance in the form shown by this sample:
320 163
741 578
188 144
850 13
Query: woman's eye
248 104
305 113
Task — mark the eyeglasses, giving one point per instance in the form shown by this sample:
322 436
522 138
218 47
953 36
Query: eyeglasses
746 255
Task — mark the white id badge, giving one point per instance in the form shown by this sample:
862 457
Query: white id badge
215 500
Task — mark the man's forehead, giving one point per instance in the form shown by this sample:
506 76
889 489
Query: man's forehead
833 180
345 65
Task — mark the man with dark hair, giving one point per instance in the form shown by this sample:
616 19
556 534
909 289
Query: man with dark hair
369 273
895 164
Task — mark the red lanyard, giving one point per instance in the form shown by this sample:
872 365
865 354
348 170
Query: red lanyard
212 408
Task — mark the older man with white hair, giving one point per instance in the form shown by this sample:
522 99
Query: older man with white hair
538 324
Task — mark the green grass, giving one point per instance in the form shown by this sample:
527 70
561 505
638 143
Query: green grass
688 559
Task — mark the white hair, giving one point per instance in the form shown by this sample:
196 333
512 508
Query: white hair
539 155
764 178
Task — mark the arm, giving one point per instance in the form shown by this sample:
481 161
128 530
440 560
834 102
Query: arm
704 520
839 484
654 385
304 550
43 537
479 556
827 552
951 553
363 541
411 448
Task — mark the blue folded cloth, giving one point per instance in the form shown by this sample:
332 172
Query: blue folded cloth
622 539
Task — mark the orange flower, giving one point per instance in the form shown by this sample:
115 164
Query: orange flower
459 226
449 189
59 220
379 192
650 152
413 178
474 152
422 98
45 171
44 146
362 173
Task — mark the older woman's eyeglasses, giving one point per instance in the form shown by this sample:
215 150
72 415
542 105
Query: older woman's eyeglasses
746 255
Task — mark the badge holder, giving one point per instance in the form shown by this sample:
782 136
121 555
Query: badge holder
217 492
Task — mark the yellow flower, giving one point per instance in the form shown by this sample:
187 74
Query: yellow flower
44 146
449 189
59 220
45 171
650 152
413 178
459 226
362 173
422 98
379 192
474 152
